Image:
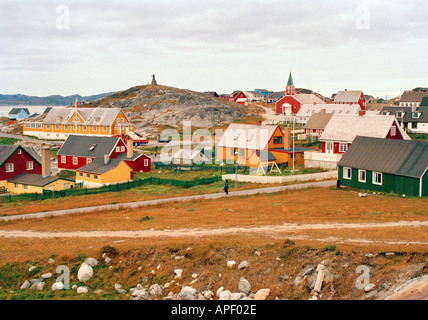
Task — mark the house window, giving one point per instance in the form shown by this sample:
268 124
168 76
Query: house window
95 177
146 162
414 125
48 126
85 128
242 153
88 160
63 159
80 174
117 149
393 131
122 149
66 127
377 178
104 128
347 173
88 175
57 127
277 140
94 128
19 151
66 186
76 119
51 188
74 160
343 147
9 167
362 176
15 185
25 186
29 165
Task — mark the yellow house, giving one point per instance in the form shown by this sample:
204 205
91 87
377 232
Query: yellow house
36 183
59 123
104 172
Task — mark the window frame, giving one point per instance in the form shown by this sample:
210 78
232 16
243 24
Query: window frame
375 175
29 165
360 171
348 170
10 167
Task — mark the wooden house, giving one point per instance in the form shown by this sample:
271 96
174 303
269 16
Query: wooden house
351 97
36 183
307 110
18 113
15 159
316 124
386 165
411 119
59 123
239 97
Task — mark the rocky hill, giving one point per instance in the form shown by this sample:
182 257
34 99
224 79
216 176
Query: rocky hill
154 107
54 100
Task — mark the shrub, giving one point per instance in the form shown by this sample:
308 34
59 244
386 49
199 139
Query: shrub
329 247
109 251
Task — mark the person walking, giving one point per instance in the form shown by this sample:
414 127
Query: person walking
226 187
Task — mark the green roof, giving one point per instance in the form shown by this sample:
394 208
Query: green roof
290 81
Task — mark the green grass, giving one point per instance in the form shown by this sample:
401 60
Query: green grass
4 140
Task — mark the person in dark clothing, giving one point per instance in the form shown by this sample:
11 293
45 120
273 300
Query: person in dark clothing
226 187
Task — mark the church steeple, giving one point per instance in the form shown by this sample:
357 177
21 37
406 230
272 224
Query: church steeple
290 89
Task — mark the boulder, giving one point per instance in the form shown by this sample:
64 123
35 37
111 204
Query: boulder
91 262
178 273
243 265
244 285
140 294
262 294
208 294
31 268
82 290
231 264
187 293
25 285
219 291
155 290
225 295
85 272
46 275
57 286
39 286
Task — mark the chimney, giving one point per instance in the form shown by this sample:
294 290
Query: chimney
130 148
46 162
346 89
287 137
362 112
106 159
323 110
259 122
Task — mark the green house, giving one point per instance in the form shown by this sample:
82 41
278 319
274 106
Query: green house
386 165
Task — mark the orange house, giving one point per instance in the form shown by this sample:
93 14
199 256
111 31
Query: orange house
253 145
59 123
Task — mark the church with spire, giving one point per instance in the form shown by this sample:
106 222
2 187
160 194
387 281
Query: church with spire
291 102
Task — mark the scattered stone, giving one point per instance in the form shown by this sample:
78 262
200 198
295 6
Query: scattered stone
82 290
50 261
25 285
308 272
187 293
98 291
46 275
194 276
117 286
225 295
243 265
121 291
283 277
107 260
231 264
179 257
208 294
39 286
219 291
85 272
167 285
155 290
257 253
74 287
370 255
262 294
369 287
319 281
178 273
237 296
244 285
31 268
389 254
91 262
298 281
140 294
57 286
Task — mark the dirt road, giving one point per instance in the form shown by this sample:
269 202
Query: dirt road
206 232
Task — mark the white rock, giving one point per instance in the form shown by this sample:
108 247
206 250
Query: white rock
82 290
57 286
231 264
225 295
257 253
178 273
46 275
236 296
140 294
107 260
262 294
117 286
50 261
208 294
244 285
189 289
25 285
39 285
155 290
243 265
194 276
219 291
91 261
85 272
369 287
31 268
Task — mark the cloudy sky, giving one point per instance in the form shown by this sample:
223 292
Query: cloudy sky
89 47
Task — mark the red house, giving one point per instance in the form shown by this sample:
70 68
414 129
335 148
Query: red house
291 103
351 97
79 151
15 160
239 97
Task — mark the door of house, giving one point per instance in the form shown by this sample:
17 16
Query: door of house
329 147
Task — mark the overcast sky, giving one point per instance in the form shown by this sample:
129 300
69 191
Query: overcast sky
90 47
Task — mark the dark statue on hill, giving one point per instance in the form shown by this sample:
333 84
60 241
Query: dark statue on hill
154 80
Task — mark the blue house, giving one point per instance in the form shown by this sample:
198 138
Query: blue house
18 113
263 92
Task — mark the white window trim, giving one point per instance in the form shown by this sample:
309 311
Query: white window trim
343 147
347 170
393 131
10 167
29 165
88 160
374 178
75 160
146 162
63 159
359 176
